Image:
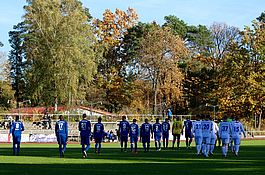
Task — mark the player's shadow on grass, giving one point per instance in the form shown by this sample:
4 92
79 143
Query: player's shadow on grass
113 161
168 155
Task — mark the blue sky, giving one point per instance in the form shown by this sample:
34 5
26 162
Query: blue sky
236 13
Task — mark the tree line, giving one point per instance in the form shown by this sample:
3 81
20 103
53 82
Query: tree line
61 55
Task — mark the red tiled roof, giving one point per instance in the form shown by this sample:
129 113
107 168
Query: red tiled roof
96 110
42 110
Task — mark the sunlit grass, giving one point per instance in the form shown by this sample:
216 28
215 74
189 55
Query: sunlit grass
44 159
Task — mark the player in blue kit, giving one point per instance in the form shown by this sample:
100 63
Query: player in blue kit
85 131
98 135
188 133
124 131
61 132
157 129
16 130
165 132
146 132
134 133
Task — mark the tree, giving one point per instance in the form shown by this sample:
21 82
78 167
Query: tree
112 75
209 47
178 26
242 85
17 61
160 53
223 35
60 50
6 92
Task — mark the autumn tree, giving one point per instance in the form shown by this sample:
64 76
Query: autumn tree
112 78
6 92
160 53
60 50
242 85
209 47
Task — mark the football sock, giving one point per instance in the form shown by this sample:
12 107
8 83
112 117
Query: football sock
236 148
223 150
198 148
131 146
148 146
87 147
144 145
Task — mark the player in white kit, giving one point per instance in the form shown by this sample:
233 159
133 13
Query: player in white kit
237 130
197 132
224 134
214 133
207 127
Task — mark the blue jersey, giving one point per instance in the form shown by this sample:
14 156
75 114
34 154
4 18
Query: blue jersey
98 130
157 128
146 130
16 128
188 126
84 127
61 128
165 127
124 128
134 130
169 113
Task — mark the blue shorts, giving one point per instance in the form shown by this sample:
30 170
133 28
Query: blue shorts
61 139
85 140
165 135
188 135
124 138
134 139
16 139
157 137
98 139
146 139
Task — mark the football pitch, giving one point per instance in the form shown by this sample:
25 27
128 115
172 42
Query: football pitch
43 159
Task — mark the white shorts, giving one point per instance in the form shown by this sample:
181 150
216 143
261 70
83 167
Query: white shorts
225 140
236 141
206 140
198 140
213 140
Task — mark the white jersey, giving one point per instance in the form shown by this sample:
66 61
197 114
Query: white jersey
237 129
215 130
197 128
207 127
225 129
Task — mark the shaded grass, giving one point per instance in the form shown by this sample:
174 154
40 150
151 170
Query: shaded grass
43 159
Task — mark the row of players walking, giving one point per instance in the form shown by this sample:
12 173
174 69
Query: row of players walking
204 130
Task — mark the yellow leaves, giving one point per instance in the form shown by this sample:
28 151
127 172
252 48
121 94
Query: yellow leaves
160 52
115 25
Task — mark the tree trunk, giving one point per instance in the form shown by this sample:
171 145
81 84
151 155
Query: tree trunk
155 101
259 126
255 121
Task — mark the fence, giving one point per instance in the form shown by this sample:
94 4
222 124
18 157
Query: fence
40 127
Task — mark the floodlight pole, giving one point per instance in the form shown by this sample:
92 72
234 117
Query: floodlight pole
214 106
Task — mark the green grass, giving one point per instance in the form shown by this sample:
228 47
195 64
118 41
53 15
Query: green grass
42 159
